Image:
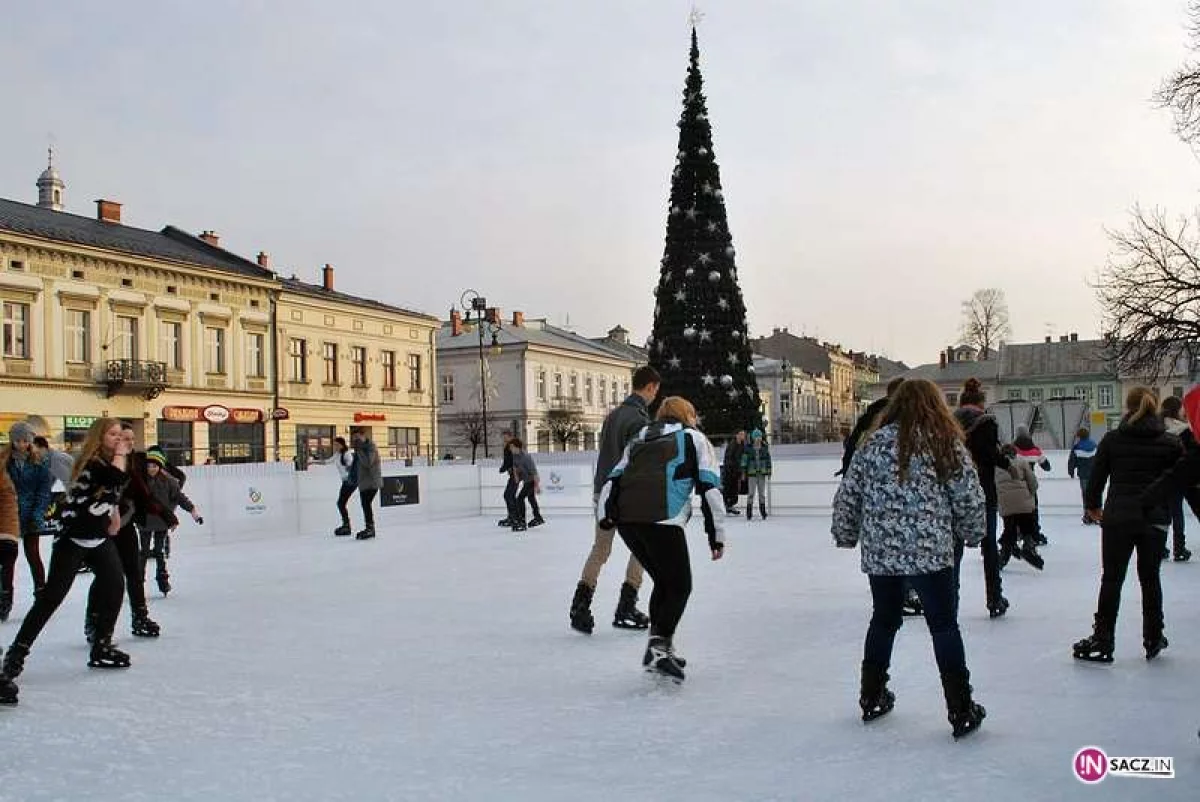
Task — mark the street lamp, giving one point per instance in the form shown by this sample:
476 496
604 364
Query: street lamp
788 380
482 318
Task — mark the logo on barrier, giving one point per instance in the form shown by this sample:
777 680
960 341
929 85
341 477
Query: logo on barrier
1092 765
555 485
399 491
256 505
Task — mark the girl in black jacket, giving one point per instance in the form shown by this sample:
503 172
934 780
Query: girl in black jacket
88 520
1129 461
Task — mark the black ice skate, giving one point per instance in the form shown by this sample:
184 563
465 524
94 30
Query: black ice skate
997 607
8 691
89 627
964 713
14 660
537 521
519 526
164 581
648 657
749 512
1040 540
365 534
144 626
912 604
581 612
343 531
504 522
105 655
1094 649
1154 646
874 698
6 603
627 615
762 508
1182 555
1030 555
660 658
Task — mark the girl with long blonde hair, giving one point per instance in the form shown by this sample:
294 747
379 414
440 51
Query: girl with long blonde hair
1127 462
88 520
912 494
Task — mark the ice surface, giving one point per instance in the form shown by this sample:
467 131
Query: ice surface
436 663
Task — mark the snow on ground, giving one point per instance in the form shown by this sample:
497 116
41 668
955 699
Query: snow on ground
436 663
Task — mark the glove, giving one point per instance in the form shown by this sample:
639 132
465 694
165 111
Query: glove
607 524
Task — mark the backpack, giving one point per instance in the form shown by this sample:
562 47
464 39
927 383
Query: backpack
647 481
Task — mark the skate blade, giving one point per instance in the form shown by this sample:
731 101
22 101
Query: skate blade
1093 658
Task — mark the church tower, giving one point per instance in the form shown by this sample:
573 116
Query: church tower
50 186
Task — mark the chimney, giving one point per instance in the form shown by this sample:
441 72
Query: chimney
1049 338
1064 339
211 238
942 360
1074 337
492 314
455 322
949 353
264 260
776 331
327 277
108 211
518 319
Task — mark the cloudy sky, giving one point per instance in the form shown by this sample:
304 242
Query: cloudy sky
881 160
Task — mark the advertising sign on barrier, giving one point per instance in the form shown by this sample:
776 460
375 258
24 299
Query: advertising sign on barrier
400 490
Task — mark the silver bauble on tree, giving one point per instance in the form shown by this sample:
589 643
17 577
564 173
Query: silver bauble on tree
726 380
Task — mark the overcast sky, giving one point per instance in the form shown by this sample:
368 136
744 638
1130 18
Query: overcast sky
881 160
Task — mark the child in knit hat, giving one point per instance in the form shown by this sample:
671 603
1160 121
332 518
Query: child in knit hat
166 491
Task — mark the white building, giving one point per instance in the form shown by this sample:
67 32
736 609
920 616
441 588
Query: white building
550 386
799 404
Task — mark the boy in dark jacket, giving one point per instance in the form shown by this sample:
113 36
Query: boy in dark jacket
167 495
1083 452
731 471
525 472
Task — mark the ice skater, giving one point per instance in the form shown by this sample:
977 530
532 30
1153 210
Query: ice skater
368 472
911 495
167 495
343 460
731 471
30 475
756 468
1079 465
1176 424
525 472
1016 491
648 498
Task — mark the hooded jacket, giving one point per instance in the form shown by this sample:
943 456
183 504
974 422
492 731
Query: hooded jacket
1185 473
1129 461
1028 451
165 491
367 467
983 441
32 480
756 459
618 429
1016 488
1080 461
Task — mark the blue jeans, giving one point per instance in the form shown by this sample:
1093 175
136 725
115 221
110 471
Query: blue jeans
938 593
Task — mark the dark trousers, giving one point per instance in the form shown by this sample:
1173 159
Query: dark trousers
343 496
1018 527
731 480
154 547
938 594
527 492
31 544
991 559
8 564
662 550
510 498
1117 545
367 497
108 585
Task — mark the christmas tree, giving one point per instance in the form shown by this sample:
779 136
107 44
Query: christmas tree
700 343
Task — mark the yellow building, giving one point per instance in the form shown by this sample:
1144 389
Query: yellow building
194 345
348 362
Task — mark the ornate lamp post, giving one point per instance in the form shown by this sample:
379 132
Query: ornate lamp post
486 321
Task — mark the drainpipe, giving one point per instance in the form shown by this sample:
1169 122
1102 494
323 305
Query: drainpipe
433 396
275 368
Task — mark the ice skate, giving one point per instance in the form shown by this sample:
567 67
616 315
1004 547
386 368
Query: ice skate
1182 555
367 533
105 655
6 603
342 531
660 657
1030 555
8 691
997 607
627 615
14 660
144 626
964 713
1093 649
1154 646
581 612
912 603
537 521
762 508
163 579
519 526
874 697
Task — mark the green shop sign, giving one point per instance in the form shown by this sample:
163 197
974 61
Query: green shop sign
78 421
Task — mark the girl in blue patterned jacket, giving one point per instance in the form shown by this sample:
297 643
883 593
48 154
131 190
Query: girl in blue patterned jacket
648 497
911 492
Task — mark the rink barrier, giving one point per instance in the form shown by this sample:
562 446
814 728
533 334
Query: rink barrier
270 500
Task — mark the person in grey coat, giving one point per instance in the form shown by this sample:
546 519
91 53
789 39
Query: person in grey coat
526 473
369 472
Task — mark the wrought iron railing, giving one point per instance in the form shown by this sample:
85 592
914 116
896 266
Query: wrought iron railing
147 379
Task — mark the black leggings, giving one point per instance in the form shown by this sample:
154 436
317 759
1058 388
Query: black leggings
343 496
662 550
130 558
1117 546
154 545
8 564
108 585
366 497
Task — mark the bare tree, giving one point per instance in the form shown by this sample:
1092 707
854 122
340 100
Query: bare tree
564 425
1180 92
469 427
1150 294
985 321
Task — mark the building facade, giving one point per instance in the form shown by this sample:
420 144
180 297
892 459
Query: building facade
798 406
549 386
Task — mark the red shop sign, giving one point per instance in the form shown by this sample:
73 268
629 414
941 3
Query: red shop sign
181 414
369 417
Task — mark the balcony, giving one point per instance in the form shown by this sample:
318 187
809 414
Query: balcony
134 377
562 404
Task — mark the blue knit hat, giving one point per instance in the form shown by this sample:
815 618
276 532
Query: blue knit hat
756 434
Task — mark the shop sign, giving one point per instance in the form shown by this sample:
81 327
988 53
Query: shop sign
369 417
181 414
78 421
246 415
279 413
215 413
400 490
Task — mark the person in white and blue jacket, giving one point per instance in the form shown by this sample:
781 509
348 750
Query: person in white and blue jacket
912 493
1083 453
648 498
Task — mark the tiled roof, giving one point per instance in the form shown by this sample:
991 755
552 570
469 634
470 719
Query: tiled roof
534 332
1036 361
171 243
317 291
988 372
623 350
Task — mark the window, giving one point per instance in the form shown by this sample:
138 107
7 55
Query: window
16 265
541 385
404 442
125 344
626 388
1104 394
603 385
214 350
1083 392
615 398
331 362
448 388
388 360
952 399
170 344
79 335
575 386
414 373
16 330
1177 392
588 392
1058 392
1014 395
298 355
558 385
256 363
358 359
1036 394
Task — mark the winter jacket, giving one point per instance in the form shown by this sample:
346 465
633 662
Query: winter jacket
524 468
1027 451
910 528
367 467
756 460
1129 461
33 484
619 428
1175 426
507 463
86 511
1080 461
167 495
344 462
136 501
731 464
10 510
983 441
1016 488
61 465
861 427
655 477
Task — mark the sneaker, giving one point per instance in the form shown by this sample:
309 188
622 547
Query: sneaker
365 534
